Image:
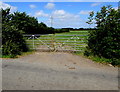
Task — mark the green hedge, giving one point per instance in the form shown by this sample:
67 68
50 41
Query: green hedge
105 41
12 41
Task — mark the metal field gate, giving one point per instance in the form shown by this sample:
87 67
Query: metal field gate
56 42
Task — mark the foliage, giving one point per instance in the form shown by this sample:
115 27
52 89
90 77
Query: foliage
105 42
24 22
12 40
61 30
114 61
13 43
50 30
27 24
6 16
43 29
90 21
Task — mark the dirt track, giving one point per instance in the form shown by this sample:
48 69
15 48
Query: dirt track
57 71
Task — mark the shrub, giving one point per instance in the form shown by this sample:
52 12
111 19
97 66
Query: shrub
105 41
12 41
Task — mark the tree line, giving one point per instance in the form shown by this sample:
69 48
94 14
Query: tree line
27 24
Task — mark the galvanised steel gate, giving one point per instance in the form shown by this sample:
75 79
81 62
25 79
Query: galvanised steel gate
56 42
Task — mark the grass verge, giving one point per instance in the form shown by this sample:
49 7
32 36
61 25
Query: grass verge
105 61
111 62
22 54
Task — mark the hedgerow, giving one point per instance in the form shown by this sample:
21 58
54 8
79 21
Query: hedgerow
105 41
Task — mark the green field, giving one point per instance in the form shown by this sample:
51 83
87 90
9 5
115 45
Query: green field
73 40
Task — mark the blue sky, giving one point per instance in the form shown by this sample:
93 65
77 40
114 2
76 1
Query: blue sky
64 14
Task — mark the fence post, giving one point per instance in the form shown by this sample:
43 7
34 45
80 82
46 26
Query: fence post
54 43
33 41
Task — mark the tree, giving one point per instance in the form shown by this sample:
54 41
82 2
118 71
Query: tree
105 42
43 29
24 22
90 21
12 40
5 15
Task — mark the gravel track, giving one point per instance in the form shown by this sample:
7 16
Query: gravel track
57 71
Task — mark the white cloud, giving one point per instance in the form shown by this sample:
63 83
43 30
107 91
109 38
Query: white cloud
62 14
50 6
5 5
61 18
115 8
41 14
84 12
96 4
59 12
32 6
